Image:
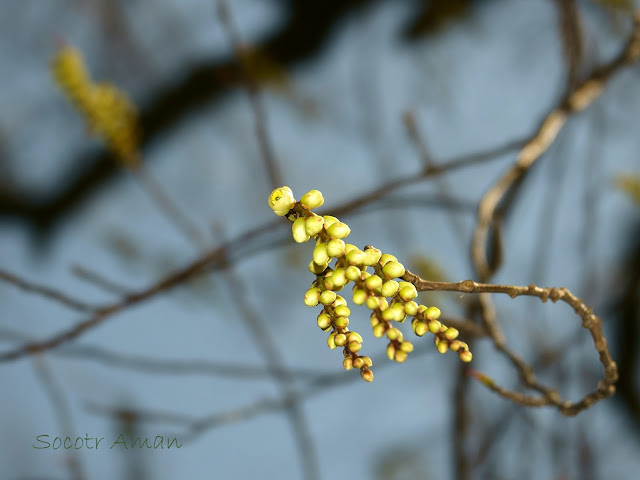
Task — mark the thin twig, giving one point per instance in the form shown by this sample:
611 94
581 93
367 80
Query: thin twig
583 96
590 321
46 292
99 280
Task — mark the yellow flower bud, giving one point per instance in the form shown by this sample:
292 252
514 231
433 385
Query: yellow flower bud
313 225
327 297
320 255
354 337
281 201
420 329
386 258
338 230
432 313
391 351
388 315
312 199
339 301
406 346
434 326
299 231
355 346
324 321
451 333
443 347
340 339
342 311
339 277
367 375
358 362
329 220
353 273
394 334
359 296
355 257
331 340
389 288
315 268
371 256
347 363
372 302
373 283
465 355
335 247
379 330
312 297
393 269
408 293
411 308
455 345
341 322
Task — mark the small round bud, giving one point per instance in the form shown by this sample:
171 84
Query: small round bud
327 297
338 230
353 273
379 330
389 288
443 347
354 337
367 375
400 356
420 329
359 296
372 302
358 362
315 268
335 247
339 301
411 308
299 231
373 283
320 255
312 199
385 258
347 363
341 322
432 313
367 361
340 339
342 311
324 321
408 293
281 201
434 326
331 340
339 277
329 220
391 351
465 355
355 257
398 311
406 346
374 319
451 333
371 256
455 345
394 334
393 269
355 346
388 315
349 246
312 297
313 225
382 304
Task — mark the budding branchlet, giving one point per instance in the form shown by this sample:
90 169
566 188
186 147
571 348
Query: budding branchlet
382 291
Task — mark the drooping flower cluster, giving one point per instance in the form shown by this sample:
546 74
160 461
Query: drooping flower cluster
381 290
107 111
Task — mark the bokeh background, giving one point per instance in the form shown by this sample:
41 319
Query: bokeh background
334 80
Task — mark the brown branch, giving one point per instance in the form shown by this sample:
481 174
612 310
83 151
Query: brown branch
583 96
47 292
590 321
253 93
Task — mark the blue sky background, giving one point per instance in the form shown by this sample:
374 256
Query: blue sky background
336 125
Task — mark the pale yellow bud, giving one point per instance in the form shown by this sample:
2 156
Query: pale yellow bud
327 297
335 247
281 201
420 329
385 258
312 199
371 256
451 333
313 225
465 355
443 347
347 363
393 269
400 356
411 308
434 326
406 346
340 339
355 257
331 340
341 322
359 296
408 293
389 288
391 351
379 330
353 273
432 313
312 297
315 268
358 362
338 230
299 231
320 255
395 334
373 283
354 337
324 321
342 311
329 220
367 375
355 346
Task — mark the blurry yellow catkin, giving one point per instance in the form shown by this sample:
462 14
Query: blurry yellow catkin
108 112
